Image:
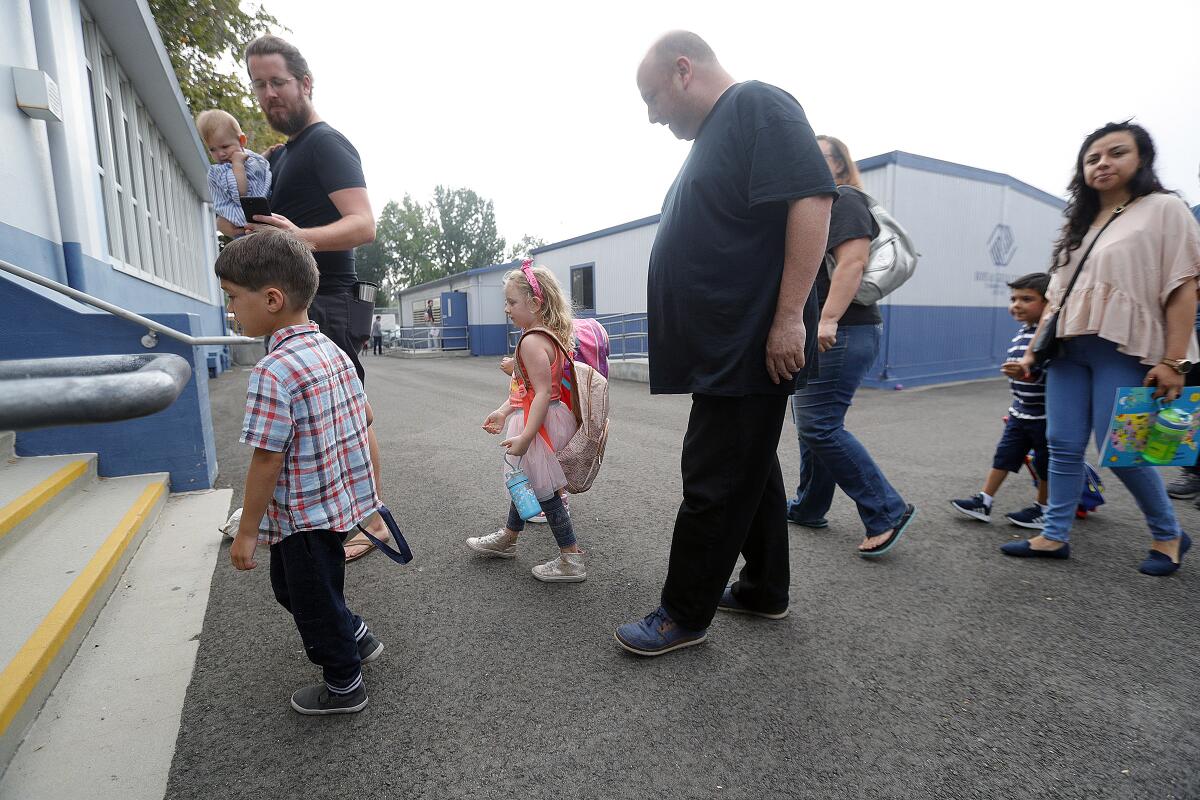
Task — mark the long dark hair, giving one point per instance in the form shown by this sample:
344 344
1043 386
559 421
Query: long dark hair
1084 204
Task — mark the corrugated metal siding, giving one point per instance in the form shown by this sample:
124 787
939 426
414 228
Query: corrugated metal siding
951 220
950 320
621 262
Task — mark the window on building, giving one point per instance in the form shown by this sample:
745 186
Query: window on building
583 287
154 218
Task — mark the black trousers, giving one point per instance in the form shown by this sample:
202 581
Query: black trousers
331 312
377 343
308 575
733 502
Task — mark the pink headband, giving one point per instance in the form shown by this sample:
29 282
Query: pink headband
527 268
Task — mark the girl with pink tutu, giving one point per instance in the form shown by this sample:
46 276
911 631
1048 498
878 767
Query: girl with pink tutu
535 418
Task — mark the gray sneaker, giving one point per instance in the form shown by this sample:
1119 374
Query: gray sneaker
369 648
318 701
1185 486
494 545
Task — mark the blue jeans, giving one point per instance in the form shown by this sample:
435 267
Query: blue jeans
830 456
1081 385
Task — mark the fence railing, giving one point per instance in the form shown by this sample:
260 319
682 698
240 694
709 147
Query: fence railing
627 335
428 338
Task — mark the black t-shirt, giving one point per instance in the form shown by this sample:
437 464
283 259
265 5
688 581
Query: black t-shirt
313 165
851 218
717 259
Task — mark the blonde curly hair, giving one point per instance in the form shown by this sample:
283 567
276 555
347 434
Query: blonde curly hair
554 309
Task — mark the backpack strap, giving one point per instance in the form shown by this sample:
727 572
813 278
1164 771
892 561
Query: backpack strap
572 391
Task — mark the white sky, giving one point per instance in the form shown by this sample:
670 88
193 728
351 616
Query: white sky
533 104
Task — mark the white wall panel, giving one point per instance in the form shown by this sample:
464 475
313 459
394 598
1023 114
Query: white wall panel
952 220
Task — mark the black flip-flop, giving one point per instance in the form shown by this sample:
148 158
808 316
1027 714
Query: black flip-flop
875 552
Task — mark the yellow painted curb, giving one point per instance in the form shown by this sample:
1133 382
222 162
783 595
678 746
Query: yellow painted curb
16 511
39 651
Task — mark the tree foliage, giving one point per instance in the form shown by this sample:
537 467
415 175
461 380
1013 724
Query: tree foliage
417 243
466 225
525 246
199 35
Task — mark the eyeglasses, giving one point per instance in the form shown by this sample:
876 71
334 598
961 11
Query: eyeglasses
274 83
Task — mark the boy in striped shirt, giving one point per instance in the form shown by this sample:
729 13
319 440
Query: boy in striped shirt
1025 429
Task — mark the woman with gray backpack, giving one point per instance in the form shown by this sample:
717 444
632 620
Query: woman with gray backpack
867 256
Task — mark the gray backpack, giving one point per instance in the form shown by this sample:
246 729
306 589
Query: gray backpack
892 261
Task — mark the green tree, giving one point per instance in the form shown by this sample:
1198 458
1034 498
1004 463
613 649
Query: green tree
411 227
403 252
466 225
198 35
525 246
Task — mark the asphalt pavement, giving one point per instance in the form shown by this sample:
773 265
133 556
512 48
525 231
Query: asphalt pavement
944 670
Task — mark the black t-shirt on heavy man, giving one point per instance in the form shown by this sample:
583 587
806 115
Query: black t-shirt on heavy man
718 255
851 218
314 164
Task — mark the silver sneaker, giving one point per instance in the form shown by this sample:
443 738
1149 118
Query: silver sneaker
494 545
567 568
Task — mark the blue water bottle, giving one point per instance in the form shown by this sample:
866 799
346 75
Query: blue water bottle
521 492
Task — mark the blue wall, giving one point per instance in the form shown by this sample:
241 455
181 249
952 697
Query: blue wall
489 340
936 344
40 323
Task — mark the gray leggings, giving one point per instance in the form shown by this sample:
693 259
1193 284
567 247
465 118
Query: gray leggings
558 517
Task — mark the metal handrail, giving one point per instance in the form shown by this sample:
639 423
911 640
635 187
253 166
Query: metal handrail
408 339
42 392
151 338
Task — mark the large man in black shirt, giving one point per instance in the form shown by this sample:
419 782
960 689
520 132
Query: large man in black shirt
730 312
319 193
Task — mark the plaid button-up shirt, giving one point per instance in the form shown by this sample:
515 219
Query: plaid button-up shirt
305 400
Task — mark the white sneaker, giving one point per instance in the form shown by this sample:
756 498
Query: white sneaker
494 545
567 568
230 528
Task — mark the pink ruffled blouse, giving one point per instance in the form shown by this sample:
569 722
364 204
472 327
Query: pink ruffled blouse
1152 248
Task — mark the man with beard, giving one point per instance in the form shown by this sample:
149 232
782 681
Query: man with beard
741 237
319 194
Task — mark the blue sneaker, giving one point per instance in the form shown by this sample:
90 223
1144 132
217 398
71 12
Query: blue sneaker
729 603
657 634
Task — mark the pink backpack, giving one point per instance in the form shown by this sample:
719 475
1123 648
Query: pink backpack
591 344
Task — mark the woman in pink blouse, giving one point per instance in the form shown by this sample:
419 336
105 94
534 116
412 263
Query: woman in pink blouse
1127 322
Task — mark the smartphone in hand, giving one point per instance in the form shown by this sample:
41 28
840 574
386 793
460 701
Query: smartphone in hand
255 205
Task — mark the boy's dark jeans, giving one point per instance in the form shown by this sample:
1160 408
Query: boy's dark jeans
308 572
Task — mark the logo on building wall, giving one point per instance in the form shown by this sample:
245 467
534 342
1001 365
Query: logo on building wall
1002 245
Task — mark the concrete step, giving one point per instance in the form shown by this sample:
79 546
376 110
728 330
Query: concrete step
30 488
108 729
8 445
57 576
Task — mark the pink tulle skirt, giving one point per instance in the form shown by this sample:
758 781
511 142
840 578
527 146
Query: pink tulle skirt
545 473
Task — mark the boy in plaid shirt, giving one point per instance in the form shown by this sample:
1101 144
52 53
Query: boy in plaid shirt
310 480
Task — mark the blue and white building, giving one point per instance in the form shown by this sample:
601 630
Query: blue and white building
105 191
976 230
